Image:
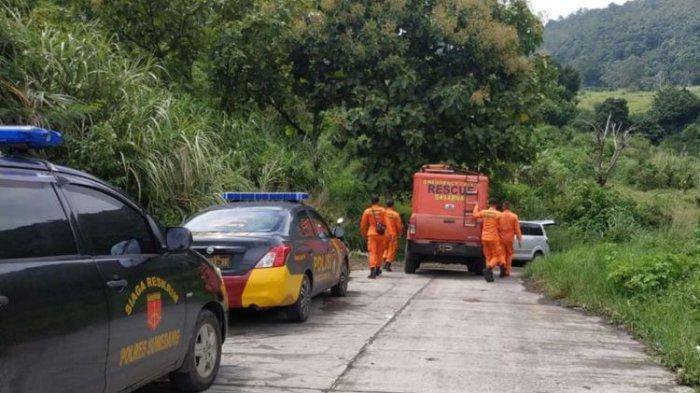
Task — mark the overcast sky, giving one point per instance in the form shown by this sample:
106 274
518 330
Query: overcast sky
552 9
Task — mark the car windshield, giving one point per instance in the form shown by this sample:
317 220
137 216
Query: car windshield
237 221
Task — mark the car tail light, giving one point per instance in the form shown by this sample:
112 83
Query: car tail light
276 257
211 276
411 227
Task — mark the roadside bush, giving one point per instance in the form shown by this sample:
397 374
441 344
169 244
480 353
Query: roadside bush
605 213
525 200
648 284
665 169
555 167
686 142
651 273
645 176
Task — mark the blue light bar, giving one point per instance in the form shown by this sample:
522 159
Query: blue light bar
29 136
265 196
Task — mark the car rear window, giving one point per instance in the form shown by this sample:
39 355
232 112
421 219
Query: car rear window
237 221
531 230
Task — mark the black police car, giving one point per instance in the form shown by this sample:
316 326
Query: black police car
273 251
94 297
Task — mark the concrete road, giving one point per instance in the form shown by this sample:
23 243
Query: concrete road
437 331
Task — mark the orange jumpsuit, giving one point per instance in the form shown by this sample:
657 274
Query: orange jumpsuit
394 229
490 237
509 227
368 229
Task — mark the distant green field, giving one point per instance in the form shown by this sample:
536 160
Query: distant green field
638 101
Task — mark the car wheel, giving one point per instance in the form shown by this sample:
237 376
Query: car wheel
412 263
341 288
300 310
203 357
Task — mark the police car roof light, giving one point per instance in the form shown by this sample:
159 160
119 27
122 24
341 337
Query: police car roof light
265 196
29 137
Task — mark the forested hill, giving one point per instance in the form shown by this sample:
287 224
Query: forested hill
640 44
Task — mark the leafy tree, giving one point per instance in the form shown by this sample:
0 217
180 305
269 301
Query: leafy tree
571 80
613 109
401 82
247 74
562 85
649 127
171 30
674 108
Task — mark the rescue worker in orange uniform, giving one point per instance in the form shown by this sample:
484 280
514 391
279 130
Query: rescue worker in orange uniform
509 228
373 228
394 229
490 238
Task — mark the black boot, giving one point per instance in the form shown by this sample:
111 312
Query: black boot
379 271
387 267
503 272
488 275
372 273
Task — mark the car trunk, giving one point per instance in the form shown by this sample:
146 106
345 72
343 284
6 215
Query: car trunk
234 255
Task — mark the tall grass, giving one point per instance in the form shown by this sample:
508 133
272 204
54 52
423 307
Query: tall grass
168 149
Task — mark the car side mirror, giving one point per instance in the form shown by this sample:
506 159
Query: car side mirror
338 232
178 239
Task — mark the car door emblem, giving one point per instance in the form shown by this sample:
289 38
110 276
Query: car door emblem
154 309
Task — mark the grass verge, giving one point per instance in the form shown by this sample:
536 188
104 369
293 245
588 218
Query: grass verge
650 285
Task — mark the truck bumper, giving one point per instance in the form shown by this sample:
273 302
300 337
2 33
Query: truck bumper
445 252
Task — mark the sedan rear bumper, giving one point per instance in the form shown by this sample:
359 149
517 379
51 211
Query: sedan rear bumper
263 288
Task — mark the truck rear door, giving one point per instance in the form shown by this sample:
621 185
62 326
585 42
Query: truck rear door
443 209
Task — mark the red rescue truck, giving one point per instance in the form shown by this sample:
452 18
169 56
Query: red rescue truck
442 228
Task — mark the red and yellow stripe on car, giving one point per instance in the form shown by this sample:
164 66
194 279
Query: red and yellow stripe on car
268 287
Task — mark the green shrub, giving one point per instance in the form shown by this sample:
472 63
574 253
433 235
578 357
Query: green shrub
600 212
649 274
665 169
648 284
687 141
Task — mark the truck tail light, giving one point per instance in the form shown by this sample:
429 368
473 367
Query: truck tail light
411 228
276 257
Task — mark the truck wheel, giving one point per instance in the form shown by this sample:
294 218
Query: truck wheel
203 357
341 288
300 310
412 263
476 266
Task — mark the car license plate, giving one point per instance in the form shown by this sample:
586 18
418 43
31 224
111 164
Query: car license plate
220 260
445 247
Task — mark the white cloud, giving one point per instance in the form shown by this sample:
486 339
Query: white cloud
553 9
